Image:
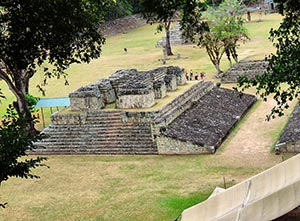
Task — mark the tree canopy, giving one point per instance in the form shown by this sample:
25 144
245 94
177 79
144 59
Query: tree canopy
282 78
218 30
56 32
162 12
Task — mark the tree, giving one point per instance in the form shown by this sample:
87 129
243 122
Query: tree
282 78
15 141
38 32
118 9
162 12
218 30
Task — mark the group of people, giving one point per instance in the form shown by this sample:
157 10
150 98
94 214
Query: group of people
191 76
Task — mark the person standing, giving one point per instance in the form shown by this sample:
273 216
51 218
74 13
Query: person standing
187 75
191 74
202 75
196 76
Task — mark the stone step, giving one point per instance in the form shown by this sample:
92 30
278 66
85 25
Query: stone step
95 130
102 151
128 138
88 127
50 145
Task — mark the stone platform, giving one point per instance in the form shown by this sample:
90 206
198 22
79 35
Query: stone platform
135 126
249 68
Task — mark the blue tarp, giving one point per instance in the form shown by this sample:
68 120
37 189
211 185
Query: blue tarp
53 102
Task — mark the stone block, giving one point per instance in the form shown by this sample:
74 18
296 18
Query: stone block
160 89
88 97
136 100
171 82
107 91
179 72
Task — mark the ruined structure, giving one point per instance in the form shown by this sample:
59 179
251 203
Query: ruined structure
289 141
175 37
250 68
134 126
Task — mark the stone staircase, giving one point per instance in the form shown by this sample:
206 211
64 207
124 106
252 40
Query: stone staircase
101 132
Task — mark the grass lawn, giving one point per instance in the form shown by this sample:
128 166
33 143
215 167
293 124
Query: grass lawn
121 188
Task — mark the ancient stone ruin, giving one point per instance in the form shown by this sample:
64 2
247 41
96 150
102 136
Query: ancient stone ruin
249 68
206 124
176 37
196 121
289 140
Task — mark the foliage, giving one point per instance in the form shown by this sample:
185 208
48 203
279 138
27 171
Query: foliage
218 30
14 143
282 78
162 12
32 101
118 9
58 33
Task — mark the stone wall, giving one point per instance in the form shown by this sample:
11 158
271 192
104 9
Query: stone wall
289 141
168 145
123 25
249 68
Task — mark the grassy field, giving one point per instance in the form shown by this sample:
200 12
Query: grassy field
121 188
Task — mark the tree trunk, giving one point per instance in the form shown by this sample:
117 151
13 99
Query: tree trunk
217 66
168 44
23 110
227 51
20 88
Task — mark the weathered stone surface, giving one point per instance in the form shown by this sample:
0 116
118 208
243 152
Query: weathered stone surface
123 25
143 100
120 78
171 82
106 89
88 97
175 37
160 89
210 120
169 145
250 68
179 72
289 141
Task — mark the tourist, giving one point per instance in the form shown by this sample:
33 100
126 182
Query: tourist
202 75
191 75
187 76
125 50
196 76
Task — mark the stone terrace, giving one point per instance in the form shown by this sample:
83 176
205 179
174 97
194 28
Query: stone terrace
289 141
87 127
250 68
202 128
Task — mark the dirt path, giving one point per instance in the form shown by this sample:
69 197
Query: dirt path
252 142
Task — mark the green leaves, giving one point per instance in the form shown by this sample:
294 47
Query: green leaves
14 143
282 78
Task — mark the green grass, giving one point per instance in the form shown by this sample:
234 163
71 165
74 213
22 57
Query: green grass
121 188
115 188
